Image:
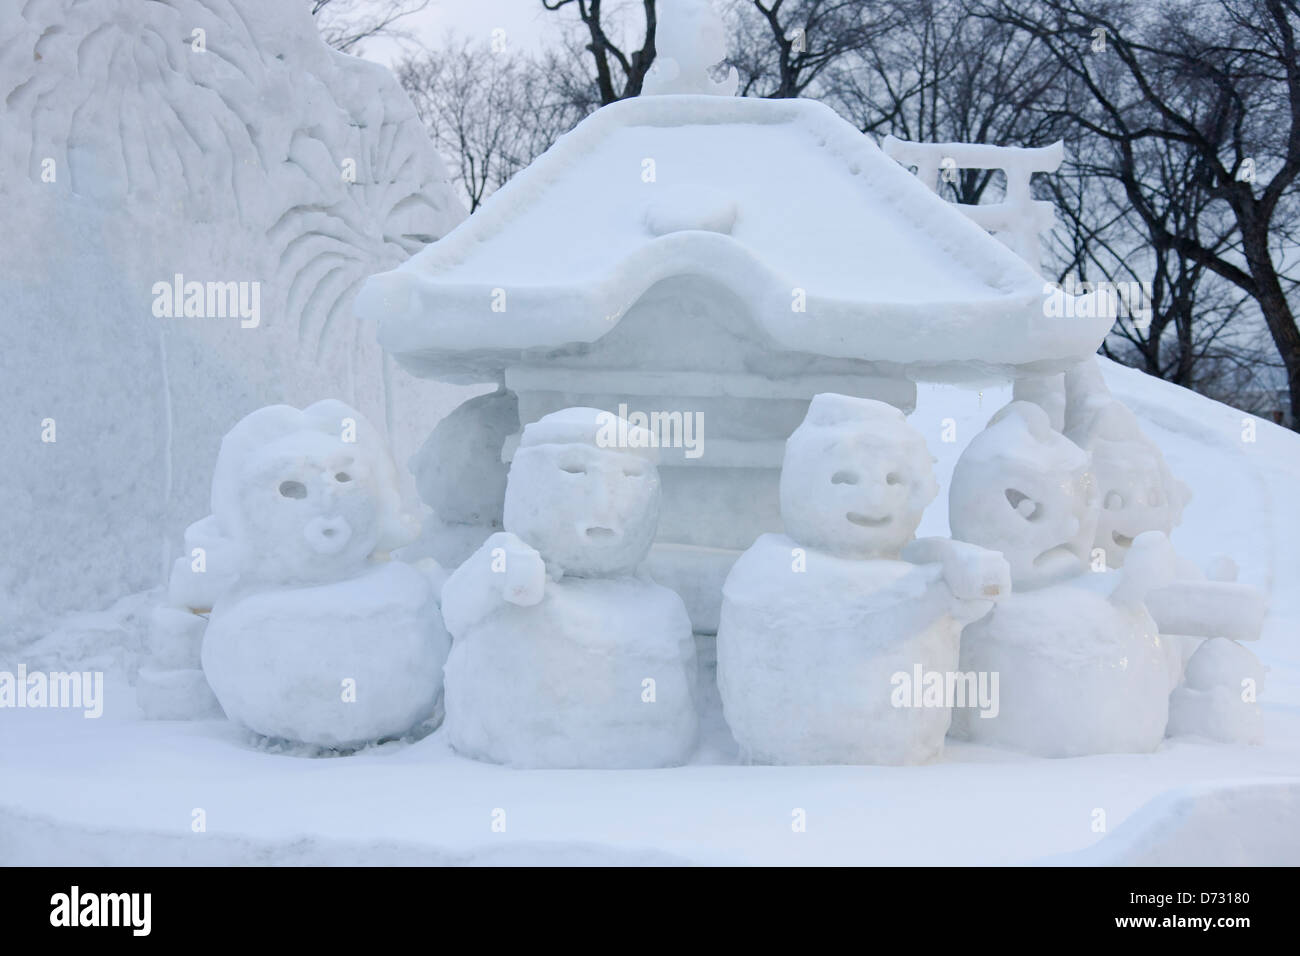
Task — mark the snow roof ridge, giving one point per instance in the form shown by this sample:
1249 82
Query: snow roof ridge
530 183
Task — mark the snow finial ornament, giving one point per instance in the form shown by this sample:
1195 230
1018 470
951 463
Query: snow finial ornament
689 41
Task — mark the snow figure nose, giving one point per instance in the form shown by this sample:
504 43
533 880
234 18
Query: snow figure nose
327 535
603 497
875 498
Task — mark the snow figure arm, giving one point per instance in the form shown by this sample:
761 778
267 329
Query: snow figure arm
504 570
1149 566
1212 605
976 576
434 572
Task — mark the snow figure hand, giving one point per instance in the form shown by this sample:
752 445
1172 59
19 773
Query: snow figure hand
523 578
976 576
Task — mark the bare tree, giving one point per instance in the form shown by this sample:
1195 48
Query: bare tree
619 72
345 24
1216 86
941 74
784 46
492 113
1189 329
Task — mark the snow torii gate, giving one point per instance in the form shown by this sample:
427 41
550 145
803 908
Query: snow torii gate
1016 221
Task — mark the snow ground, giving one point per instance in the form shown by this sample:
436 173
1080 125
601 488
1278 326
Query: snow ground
122 790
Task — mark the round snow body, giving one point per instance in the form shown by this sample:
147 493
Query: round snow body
1076 675
337 665
1218 699
599 674
816 654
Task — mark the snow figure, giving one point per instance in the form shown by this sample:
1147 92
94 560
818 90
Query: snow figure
1218 697
322 640
1023 489
825 628
690 40
1082 668
171 685
562 655
1134 486
1138 493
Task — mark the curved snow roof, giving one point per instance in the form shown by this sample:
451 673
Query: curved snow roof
766 197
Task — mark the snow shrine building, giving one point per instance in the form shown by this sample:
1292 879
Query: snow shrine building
728 259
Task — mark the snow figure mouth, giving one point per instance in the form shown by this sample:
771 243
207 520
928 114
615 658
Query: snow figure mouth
327 535
862 521
1123 540
599 533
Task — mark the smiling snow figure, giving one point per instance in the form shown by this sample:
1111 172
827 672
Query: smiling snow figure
1134 485
820 624
321 639
1082 668
563 656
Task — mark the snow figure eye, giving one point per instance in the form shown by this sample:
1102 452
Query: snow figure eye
893 478
293 489
1025 506
573 469
633 472
844 478
1114 501
342 476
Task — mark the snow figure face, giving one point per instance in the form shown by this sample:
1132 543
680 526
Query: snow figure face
303 503
856 478
590 506
1136 490
1027 491
308 511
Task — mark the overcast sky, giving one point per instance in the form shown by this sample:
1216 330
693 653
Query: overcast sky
527 25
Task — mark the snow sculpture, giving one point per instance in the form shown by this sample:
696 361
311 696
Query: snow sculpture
562 655
1045 391
1025 490
689 41
1080 670
321 640
170 684
220 141
700 285
818 623
460 474
1135 488
1019 219
1138 494
1218 697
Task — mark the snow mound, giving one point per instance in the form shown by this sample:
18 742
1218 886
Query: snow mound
1246 823
149 146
